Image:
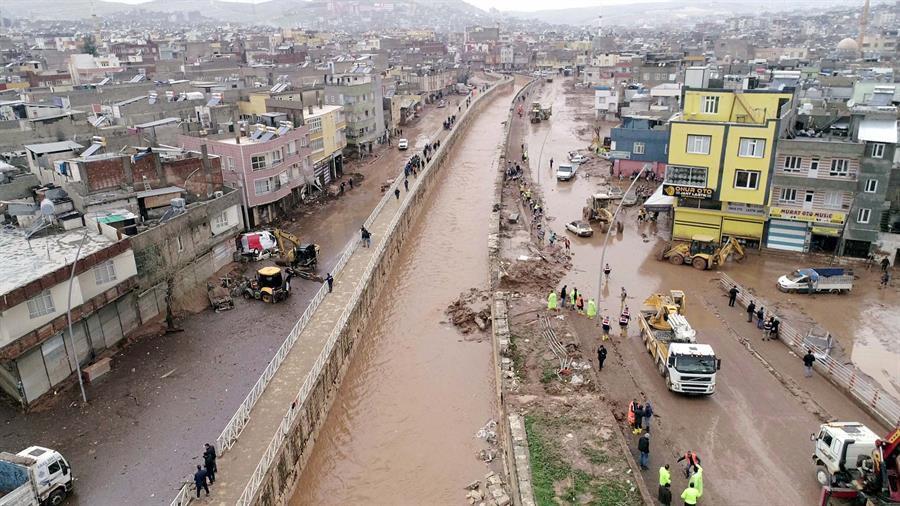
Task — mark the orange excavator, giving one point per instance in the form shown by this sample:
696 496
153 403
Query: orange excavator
875 482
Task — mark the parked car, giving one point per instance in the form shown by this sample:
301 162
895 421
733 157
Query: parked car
576 157
565 171
442 103
403 145
580 228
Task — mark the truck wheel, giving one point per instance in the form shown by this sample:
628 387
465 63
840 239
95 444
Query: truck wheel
676 259
699 263
56 498
823 476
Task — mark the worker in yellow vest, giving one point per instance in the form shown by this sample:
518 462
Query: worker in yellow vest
664 475
690 496
697 481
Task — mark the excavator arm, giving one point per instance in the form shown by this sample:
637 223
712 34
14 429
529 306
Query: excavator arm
287 244
730 247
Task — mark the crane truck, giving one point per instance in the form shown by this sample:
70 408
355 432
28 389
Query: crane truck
855 466
688 366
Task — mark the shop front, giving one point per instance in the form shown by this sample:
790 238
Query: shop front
804 231
744 222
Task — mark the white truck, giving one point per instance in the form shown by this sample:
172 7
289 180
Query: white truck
828 279
840 448
36 476
688 366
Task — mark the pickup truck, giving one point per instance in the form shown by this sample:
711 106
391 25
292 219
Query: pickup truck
829 279
36 476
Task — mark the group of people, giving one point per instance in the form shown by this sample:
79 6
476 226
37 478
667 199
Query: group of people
513 171
449 122
769 325
206 474
693 472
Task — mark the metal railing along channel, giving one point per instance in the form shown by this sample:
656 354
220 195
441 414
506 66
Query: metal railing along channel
287 421
873 398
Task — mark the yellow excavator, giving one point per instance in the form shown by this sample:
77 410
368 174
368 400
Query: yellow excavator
597 209
301 258
703 252
666 312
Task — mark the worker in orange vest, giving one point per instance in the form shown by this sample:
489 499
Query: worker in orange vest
691 461
631 406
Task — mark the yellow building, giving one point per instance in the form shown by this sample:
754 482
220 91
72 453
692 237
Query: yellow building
327 139
721 156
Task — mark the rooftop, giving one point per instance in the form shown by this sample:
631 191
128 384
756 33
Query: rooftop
23 261
53 147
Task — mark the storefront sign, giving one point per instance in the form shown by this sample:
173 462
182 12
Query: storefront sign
692 192
834 232
810 216
748 209
619 155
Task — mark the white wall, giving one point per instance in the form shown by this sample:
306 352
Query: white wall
232 219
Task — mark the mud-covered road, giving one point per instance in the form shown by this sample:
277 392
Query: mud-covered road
417 390
753 434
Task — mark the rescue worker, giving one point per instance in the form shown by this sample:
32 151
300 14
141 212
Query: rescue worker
606 327
551 302
690 495
623 324
572 298
630 417
697 481
691 460
579 303
592 309
665 477
638 419
606 271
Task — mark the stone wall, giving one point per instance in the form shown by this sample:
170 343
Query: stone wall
281 478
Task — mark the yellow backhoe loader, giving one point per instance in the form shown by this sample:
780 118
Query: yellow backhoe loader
703 252
301 258
597 209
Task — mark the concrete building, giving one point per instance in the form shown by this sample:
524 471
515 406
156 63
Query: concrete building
639 140
606 102
271 166
327 140
86 69
35 349
721 154
360 94
42 157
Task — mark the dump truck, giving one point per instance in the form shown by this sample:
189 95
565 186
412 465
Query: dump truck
687 366
36 476
827 279
703 252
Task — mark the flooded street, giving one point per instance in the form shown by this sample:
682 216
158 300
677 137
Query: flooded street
415 383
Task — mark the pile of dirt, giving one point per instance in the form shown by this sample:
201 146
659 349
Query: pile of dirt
534 273
470 312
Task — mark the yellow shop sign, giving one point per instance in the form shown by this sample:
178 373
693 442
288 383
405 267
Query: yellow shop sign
804 215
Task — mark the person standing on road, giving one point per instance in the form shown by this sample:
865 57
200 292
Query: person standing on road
648 415
885 263
606 327
632 406
579 304
623 324
638 419
665 477
697 481
562 296
664 496
732 295
330 280
885 279
551 164
573 297
200 481
808 360
751 309
366 236
209 462
644 448
691 461
591 309
690 495
601 357
760 317
397 193
606 271
406 184
775 323
568 244
551 302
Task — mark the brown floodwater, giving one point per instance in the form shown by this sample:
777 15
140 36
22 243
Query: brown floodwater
402 427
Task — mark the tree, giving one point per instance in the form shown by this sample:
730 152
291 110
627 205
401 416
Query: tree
89 45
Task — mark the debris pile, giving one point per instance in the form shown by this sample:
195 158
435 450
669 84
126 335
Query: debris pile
470 312
489 492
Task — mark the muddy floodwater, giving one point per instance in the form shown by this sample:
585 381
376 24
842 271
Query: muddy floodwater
417 390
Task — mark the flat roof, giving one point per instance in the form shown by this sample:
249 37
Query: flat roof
160 191
23 261
878 130
159 122
53 147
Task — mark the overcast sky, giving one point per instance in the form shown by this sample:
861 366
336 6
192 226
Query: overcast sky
535 5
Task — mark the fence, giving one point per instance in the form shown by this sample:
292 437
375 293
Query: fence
237 423
869 396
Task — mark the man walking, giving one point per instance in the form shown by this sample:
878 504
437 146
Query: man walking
691 461
885 263
751 309
648 416
366 237
644 448
406 184
397 193
690 495
732 295
209 462
330 280
623 295
808 360
200 481
606 327
601 357
697 481
885 279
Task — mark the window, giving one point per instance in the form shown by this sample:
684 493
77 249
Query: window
638 148
839 167
698 144
315 125
814 164
263 186
258 162
105 272
40 305
53 468
788 195
833 200
711 104
792 163
292 147
810 195
316 145
752 148
746 179
863 215
686 176
277 157
229 162
221 220
871 186
877 150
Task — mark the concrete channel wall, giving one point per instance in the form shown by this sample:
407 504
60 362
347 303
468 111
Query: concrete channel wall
280 480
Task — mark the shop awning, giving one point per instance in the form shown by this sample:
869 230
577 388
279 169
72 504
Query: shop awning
658 201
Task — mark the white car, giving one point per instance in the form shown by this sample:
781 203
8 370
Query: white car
580 228
403 145
565 171
576 157
442 103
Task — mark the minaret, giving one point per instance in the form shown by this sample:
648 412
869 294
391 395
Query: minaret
863 21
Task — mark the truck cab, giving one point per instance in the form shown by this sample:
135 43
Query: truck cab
34 476
839 449
691 368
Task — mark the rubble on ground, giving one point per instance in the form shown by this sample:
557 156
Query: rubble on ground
488 492
470 312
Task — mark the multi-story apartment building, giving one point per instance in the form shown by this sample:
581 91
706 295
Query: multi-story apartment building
721 154
360 94
327 140
639 140
271 166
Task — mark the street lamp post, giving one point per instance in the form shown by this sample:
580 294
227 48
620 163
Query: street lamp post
69 316
609 232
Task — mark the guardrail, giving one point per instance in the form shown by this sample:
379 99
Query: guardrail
268 456
872 398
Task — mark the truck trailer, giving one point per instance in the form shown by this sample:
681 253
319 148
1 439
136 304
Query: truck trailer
827 279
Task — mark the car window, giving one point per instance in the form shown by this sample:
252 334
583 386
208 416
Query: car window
53 468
